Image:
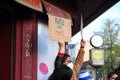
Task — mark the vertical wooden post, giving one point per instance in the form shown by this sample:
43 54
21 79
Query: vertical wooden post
26 48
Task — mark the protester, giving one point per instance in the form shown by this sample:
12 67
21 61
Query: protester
64 66
117 70
113 76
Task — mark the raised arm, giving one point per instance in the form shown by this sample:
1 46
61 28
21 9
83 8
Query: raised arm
58 61
79 60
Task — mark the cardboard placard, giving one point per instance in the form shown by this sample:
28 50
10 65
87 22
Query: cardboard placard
59 28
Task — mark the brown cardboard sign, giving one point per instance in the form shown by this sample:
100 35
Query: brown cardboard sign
59 28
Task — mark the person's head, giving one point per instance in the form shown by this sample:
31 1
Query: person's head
66 59
84 75
117 70
112 75
64 73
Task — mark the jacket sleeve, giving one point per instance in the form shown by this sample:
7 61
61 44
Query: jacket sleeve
78 63
58 60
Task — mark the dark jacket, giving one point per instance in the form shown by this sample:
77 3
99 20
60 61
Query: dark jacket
77 65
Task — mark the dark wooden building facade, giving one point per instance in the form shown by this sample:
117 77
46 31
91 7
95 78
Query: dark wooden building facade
19 29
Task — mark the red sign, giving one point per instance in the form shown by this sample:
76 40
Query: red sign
34 4
56 11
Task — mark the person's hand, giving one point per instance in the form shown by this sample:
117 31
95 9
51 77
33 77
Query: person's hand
61 43
83 43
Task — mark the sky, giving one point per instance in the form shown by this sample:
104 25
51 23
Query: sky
96 25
